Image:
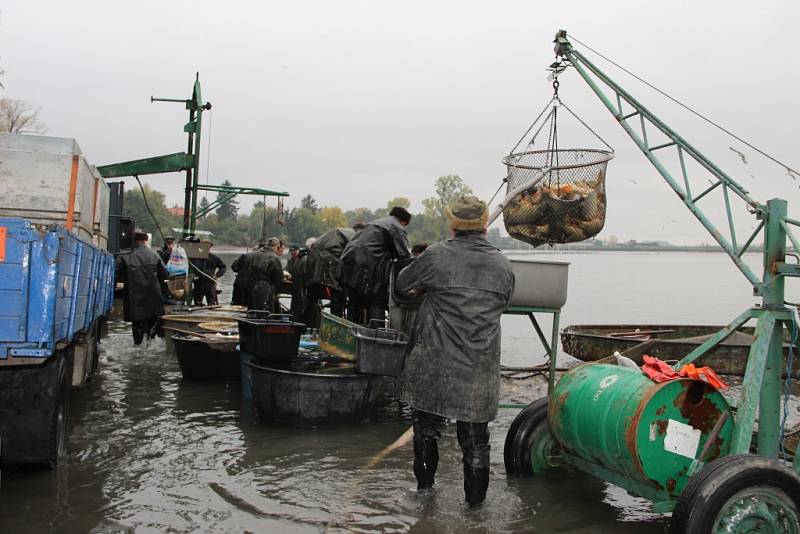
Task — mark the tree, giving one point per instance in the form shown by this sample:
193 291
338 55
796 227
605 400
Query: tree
359 215
308 202
203 205
229 209
333 217
303 223
19 116
134 207
433 226
266 218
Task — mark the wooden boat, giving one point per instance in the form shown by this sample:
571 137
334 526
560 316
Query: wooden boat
189 321
312 392
667 342
208 357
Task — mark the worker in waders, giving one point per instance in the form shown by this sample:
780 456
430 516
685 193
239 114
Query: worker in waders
207 271
366 262
452 366
265 275
142 273
324 266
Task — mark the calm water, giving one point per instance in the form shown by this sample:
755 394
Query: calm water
149 453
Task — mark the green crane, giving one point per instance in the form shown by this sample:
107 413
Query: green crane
189 162
594 421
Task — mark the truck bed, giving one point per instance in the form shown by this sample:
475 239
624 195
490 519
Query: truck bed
53 284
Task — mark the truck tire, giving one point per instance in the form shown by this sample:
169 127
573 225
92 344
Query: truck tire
743 490
57 435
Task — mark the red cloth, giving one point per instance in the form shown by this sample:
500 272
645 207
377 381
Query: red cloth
660 371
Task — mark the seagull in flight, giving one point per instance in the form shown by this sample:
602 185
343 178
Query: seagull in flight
741 155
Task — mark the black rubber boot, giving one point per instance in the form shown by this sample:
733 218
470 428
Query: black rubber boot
474 441
426 451
426 459
476 482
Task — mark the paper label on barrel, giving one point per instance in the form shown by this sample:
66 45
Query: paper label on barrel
682 439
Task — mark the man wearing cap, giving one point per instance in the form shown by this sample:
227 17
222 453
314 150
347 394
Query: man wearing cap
452 366
207 272
366 261
143 274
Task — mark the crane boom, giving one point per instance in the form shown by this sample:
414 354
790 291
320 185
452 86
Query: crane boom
565 50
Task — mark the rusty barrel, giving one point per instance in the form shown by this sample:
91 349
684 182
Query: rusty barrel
619 419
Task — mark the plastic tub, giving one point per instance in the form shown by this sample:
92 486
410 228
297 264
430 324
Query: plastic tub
270 337
539 284
313 394
380 351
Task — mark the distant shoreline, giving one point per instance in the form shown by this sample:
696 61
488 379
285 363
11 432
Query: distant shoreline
625 248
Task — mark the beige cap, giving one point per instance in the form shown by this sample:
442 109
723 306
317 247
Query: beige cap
467 213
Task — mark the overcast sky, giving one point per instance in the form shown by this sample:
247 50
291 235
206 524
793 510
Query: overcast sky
359 102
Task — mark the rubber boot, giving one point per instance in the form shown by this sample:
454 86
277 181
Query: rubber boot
426 459
474 441
476 482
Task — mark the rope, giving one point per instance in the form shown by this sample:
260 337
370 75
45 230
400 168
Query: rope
147 205
687 108
521 139
585 125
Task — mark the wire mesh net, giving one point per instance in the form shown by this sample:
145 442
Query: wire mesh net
566 205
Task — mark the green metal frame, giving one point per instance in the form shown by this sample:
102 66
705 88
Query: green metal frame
551 348
762 381
188 161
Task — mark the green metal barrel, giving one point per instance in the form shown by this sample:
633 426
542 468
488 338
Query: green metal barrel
616 423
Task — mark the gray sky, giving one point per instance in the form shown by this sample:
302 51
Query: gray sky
359 102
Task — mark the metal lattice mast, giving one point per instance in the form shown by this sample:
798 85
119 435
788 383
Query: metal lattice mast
646 117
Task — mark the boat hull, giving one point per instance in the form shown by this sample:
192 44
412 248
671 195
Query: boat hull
200 359
667 342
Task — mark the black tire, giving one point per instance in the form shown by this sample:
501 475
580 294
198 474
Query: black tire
57 438
706 497
95 362
520 438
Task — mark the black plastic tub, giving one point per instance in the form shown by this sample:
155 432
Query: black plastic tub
270 338
205 359
312 393
380 351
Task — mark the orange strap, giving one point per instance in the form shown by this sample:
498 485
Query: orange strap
94 202
3 231
73 187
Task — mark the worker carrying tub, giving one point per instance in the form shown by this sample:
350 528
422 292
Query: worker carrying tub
452 367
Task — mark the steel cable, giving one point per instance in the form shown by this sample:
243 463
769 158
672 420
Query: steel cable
687 108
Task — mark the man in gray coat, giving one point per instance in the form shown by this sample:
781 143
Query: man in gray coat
452 367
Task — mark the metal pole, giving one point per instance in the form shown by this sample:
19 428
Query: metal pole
769 420
187 202
551 377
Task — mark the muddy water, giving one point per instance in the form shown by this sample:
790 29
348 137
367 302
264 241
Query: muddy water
150 453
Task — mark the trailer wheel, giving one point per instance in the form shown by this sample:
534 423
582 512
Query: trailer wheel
741 493
57 439
530 446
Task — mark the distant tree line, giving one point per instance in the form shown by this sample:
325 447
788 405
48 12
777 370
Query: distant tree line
297 224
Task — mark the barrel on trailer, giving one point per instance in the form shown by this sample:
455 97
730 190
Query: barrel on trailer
618 419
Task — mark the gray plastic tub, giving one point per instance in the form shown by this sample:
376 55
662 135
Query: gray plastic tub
539 284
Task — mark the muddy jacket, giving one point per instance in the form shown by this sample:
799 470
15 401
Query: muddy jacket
213 266
367 257
242 269
142 272
265 275
452 365
324 264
